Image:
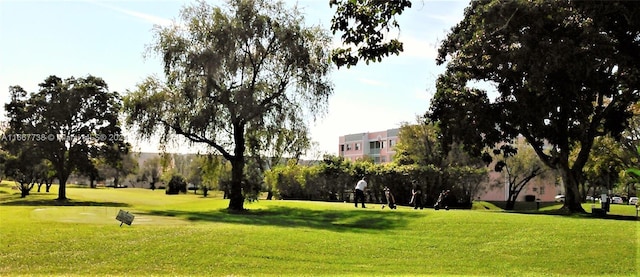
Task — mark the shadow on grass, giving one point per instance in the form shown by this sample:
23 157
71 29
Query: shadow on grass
342 220
52 202
564 213
530 208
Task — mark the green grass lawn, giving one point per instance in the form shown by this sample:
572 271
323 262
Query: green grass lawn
191 235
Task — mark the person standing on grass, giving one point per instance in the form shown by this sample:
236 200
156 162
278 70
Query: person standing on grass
360 187
416 198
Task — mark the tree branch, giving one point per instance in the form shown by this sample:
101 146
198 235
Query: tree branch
196 138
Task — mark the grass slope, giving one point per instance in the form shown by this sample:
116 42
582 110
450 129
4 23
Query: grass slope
192 235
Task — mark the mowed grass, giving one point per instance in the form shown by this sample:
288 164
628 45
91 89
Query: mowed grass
188 235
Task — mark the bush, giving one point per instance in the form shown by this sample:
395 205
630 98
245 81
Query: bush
176 185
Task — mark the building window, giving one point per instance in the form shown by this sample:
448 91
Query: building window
392 142
383 159
374 145
357 146
382 144
341 147
348 147
541 190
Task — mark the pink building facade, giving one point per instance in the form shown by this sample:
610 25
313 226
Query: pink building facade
380 146
544 188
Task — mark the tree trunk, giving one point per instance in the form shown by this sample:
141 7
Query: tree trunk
511 204
62 191
236 199
572 199
92 183
24 190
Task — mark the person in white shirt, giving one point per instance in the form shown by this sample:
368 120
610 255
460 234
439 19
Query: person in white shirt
360 186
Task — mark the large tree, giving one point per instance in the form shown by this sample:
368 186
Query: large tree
66 122
249 69
565 72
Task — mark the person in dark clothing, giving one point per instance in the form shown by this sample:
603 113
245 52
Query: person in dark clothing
417 198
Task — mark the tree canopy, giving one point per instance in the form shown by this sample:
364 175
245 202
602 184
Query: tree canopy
67 122
565 72
365 25
233 75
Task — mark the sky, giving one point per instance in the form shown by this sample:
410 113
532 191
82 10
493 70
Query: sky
108 39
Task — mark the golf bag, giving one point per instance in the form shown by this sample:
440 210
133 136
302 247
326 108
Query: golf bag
441 201
392 205
391 201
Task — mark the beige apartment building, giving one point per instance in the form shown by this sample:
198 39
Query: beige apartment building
377 145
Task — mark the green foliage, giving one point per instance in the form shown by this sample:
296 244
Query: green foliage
421 154
334 179
464 183
606 165
176 185
68 122
236 77
565 72
634 173
418 143
287 180
151 172
253 181
365 24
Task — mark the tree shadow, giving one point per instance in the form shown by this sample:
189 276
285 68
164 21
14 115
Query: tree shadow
564 213
334 220
54 202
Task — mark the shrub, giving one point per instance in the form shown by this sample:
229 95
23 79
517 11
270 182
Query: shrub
176 185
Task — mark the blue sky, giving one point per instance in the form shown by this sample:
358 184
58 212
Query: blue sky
108 39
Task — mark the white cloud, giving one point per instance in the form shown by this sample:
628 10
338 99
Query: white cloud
448 19
143 16
418 48
372 82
